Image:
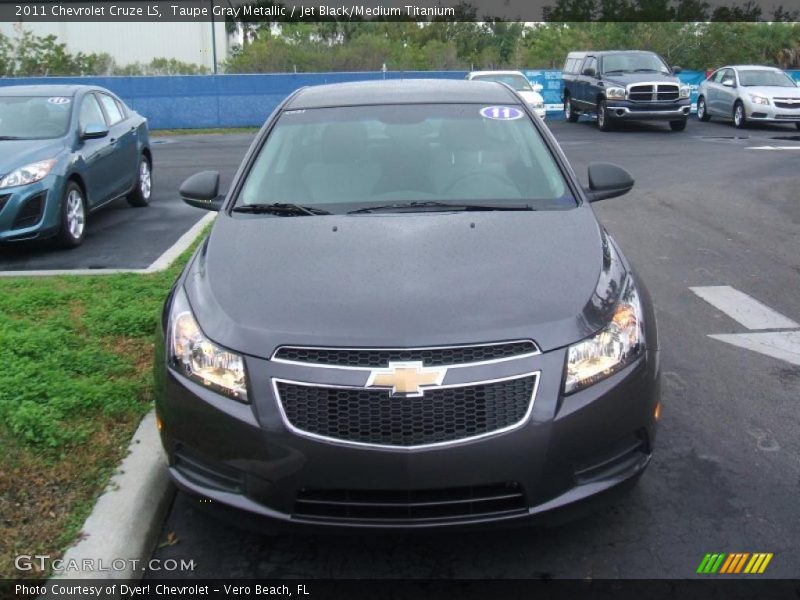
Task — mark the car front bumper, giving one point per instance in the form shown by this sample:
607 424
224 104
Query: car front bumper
634 111
760 112
245 456
29 212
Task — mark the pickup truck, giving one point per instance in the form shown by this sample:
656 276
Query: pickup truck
624 85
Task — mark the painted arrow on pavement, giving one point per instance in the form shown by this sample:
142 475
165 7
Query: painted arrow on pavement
754 315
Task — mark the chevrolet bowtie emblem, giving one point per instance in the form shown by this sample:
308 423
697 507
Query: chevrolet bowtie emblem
406 378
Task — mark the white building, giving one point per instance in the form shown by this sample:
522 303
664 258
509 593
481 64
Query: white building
190 42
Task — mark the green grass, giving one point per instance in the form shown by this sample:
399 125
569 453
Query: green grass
221 130
76 355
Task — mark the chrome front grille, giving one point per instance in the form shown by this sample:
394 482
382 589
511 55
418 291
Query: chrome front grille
787 103
368 358
374 417
653 92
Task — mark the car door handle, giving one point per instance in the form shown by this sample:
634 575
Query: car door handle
112 141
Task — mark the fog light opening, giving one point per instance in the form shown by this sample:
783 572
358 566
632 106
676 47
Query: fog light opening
657 412
620 112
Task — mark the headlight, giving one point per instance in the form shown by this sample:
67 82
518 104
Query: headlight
616 93
615 346
759 99
28 174
686 91
193 355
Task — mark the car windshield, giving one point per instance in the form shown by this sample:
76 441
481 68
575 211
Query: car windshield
515 80
347 158
34 117
755 77
635 62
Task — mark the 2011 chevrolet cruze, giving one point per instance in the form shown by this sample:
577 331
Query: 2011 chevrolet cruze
406 315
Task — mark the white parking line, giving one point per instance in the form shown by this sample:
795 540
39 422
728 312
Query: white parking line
784 345
773 148
746 310
160 264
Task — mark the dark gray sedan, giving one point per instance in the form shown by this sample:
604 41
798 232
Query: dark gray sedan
66 151
406 316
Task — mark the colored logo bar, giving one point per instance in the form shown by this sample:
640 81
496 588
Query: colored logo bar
736 562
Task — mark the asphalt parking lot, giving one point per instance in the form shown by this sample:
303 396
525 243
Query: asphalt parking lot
712 206
121 237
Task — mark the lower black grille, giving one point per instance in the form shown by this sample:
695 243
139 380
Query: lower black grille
412 505
370 416
374 357
3 199
792 106
31 211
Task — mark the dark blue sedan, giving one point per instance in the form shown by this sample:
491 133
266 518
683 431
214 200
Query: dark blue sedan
65 151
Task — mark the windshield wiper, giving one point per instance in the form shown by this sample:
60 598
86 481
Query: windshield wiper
10 137
280 208
457 206
650 71
616 71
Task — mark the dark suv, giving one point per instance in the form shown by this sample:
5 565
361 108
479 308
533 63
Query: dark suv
625 85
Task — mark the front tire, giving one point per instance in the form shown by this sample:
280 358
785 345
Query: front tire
739 117
603 120
569 112
679 125
702 110
142 192
73 217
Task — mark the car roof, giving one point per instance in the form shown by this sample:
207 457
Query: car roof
603 52
401 91
751 67
44 90
473 73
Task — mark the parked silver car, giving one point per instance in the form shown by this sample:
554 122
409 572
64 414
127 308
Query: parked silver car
749 93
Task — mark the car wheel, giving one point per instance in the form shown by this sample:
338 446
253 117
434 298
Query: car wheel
739 118
73 217
702 110
569 113
603 120
678 125
141 193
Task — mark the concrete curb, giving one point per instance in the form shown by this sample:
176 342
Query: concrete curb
127 518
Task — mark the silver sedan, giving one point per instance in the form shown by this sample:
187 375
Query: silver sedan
748 93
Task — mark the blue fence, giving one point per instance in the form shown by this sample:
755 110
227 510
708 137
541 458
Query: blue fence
194 101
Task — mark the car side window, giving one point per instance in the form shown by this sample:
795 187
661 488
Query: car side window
112 110
90 113
590 63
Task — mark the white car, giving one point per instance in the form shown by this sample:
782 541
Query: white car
518 81
749 93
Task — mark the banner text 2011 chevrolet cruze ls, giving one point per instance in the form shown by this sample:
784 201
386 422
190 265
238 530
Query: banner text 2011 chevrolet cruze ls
406 315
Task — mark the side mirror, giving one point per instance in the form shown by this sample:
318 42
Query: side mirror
589 72
201 190
676 69
729 82
607 181
94 131
538 87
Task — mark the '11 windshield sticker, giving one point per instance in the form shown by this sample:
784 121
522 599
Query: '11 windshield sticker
502 113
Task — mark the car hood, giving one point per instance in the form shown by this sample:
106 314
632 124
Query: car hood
773 91
18 153
531 97
624 79
404 279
